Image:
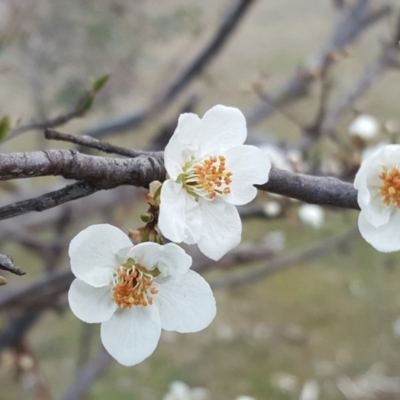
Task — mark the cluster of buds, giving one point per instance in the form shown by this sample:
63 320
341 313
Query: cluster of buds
145 234
149 232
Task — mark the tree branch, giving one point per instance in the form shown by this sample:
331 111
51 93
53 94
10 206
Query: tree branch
104 173
87 375
195 67
350 24
285 261
48 200
88 141
96 173
312 189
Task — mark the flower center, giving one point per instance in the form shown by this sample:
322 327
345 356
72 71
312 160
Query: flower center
133 285
206 177
390 189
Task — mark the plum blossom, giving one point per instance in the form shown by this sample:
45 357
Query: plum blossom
378 185
209 172
135 291
365 127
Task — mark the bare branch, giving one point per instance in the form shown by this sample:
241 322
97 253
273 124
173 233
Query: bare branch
51 123
107 173
195 67
371 74
350 24
104 173
82 106
93 143
17 327
7 264
48 200
39 294
87 375
286 261
312 189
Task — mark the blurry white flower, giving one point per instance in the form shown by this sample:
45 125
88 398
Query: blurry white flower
364 126
245 398
209 170
310 391
272 208
285 382
180 391
134 291
378 185
312 214
277 156
371 385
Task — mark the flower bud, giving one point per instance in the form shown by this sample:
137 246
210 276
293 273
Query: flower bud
147 217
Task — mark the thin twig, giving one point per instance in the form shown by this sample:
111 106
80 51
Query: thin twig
7 264
350 24
283 262
194 68
93 143
48 200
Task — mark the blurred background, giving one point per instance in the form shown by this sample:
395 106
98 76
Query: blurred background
306 309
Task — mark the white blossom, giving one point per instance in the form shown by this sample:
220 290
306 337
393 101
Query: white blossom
135 291
378 185
181 391
310 391
210 171
312 214
364 126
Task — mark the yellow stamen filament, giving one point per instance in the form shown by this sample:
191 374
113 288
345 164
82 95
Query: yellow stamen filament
208 177
133 287
390 189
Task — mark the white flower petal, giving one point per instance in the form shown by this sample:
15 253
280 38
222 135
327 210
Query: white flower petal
221 230
249 166
187 304
385 238
169 259
173 260
182 144
91 304
180 216
221 128
131 336
93 253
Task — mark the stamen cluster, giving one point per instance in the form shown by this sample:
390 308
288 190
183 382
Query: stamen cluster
390 190
208 177
133 287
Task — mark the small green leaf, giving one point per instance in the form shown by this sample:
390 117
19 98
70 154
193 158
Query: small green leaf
85 103
99 82
4 127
